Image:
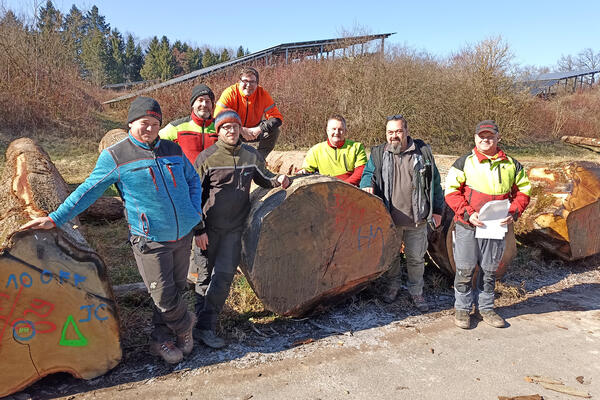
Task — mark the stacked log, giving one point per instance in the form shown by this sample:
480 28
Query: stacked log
57 310
564 215
313 244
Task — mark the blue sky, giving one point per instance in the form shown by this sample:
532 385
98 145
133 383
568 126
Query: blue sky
538 32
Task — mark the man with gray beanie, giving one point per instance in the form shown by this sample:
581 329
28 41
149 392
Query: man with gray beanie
162 197
226 171
195 132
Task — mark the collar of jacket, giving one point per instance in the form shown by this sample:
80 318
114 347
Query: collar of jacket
144 145
500 155
232 149
336 147
201 122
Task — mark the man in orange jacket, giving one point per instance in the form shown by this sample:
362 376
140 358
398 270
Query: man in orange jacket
260 116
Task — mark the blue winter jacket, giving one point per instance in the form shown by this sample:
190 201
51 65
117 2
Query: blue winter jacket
160 189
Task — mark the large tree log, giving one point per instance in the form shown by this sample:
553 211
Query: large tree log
111 137
564 215
314 243
285 162
582 141
441 250
57 311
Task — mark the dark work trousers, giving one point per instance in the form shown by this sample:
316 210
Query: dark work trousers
164 267
468 253
215 276
266 142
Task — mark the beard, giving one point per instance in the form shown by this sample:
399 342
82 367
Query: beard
395 147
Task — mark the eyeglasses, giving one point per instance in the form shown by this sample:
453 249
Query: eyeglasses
395 117
230 128
247 82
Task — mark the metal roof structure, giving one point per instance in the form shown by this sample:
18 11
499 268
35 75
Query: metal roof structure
284 52
542 84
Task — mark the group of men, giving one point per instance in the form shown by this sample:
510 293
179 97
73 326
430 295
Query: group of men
186 191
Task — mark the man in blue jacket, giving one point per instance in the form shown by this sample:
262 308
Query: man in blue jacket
162 195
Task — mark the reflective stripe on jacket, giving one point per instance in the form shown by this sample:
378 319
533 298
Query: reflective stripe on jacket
475 179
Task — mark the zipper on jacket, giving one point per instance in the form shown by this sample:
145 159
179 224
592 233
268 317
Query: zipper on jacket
246 116
153 178
499 175
168 193
172 175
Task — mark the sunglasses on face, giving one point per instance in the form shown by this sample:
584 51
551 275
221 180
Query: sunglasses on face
395 117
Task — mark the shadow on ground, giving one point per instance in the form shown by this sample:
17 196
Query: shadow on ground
272 341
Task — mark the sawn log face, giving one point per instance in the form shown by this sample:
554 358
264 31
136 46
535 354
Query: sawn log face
314 243
57 311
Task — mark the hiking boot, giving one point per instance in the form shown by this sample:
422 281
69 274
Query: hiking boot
462 319
420 303
390 294
490 317
185 340
167 350
209 338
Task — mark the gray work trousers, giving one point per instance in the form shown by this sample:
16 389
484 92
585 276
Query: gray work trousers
216 274
266 142
415 246
163 267
468 253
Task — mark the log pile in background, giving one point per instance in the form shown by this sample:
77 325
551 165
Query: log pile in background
316 242
564 215
57 311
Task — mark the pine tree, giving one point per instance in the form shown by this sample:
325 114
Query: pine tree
95 21
73 31
150 70
94 56
224 56
209 58
9 19
240 52
193 60
115 68
49 19
133 61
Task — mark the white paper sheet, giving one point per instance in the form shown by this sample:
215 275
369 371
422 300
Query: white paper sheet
491 214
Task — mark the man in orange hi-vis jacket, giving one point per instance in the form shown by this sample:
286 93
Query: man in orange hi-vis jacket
260 116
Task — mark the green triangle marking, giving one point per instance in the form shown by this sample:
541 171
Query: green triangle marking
82 341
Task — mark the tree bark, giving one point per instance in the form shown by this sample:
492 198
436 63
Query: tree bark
309 246
57 310
582 141
564 214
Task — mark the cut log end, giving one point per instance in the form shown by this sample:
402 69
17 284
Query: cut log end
314 243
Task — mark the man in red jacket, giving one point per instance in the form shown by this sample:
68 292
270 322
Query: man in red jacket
485 174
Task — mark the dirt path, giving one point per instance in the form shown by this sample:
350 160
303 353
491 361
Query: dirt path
365 348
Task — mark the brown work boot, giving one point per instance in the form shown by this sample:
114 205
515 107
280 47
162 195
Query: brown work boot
390 294
185 340
210 338
167 350
420 303
490 317
462 319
